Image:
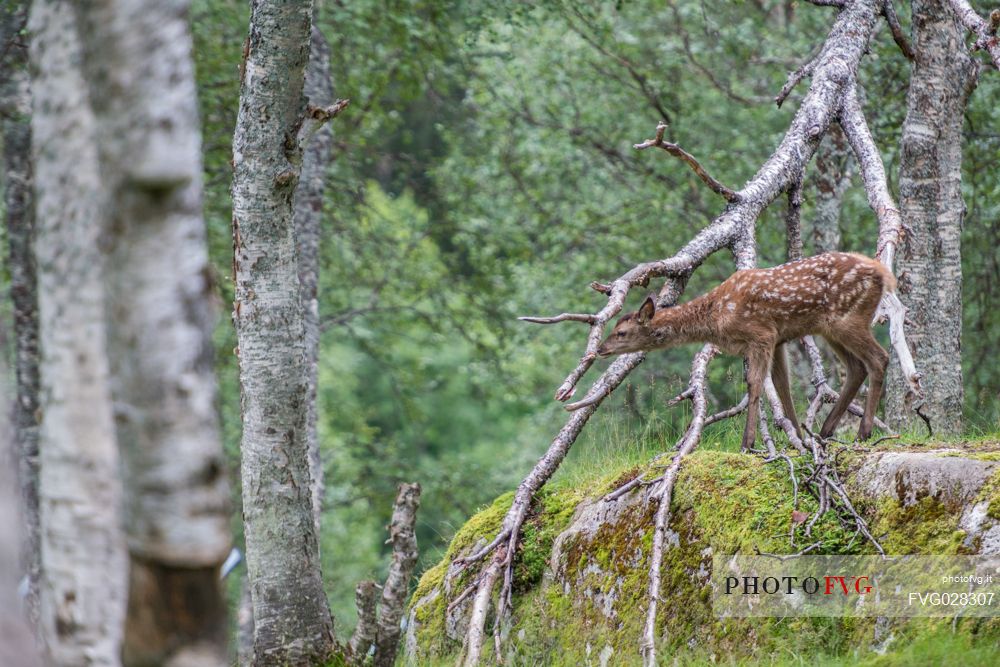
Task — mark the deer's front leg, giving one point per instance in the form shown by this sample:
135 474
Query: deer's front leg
758 365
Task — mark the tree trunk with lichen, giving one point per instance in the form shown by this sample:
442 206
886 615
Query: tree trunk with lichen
930 268
83 583
161 313
15 110
292 621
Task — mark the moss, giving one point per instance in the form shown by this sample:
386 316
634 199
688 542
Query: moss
990 493
723 503
925 527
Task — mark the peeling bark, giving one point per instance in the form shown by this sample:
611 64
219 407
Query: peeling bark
930 267
84 561
292 621
161 313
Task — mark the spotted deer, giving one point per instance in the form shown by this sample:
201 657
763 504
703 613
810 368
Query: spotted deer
756 311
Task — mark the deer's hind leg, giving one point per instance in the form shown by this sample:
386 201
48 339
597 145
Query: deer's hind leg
863 345
779 376
856 373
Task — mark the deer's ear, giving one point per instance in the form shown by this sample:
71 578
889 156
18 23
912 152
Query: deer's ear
647 309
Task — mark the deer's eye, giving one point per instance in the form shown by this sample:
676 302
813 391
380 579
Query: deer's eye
620 334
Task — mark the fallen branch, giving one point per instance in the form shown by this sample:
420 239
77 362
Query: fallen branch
806 69
852 121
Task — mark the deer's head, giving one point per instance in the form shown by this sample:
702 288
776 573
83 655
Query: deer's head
632 333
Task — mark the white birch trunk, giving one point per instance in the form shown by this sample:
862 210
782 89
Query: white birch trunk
292 622
929 268
82 590
137 60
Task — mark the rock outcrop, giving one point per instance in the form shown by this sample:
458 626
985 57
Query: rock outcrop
582 568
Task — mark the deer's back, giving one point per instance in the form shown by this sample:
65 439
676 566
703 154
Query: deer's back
810 296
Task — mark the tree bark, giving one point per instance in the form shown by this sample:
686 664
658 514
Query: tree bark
308 218
930 269
82 589
17 646
137 60
291 616
15 109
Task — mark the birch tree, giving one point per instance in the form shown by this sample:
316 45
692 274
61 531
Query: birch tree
930 196
137 61
82 589
292 621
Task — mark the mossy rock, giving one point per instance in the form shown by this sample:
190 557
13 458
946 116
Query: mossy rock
581 579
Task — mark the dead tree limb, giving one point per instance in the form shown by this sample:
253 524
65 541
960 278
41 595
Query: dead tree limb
984 30
832 75
366 601
396 587
855 127
675 150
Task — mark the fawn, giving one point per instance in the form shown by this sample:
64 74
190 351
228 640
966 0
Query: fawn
755 311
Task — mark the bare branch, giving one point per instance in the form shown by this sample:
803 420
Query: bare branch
793 221
564 317
480 606
677 151
889 12
839 4
316 117
806 69
730 412
733 228
853 122
984 30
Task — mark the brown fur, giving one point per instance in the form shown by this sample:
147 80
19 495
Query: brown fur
755 311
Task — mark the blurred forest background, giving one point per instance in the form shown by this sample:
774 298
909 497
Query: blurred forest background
484 170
